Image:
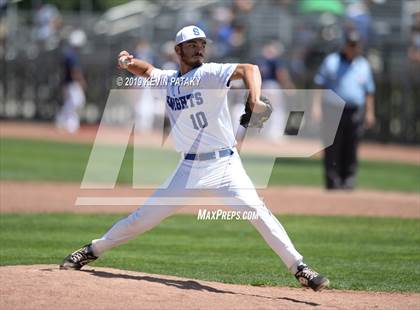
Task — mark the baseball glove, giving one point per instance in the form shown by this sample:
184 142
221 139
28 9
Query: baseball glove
256 120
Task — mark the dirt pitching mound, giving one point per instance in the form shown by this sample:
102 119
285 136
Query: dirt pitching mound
46 287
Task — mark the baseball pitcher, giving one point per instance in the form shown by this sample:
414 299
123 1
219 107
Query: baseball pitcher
202 131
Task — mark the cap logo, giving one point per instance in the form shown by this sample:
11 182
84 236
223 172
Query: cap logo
188 33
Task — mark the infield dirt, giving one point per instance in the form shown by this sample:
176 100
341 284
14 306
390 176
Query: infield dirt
35 197
105 288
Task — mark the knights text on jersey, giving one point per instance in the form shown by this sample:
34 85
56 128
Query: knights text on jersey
196 104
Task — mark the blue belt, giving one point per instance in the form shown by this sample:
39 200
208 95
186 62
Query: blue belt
208 156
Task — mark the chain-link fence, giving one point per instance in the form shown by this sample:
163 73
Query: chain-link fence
32 70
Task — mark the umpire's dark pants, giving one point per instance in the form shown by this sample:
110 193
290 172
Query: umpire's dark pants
340 159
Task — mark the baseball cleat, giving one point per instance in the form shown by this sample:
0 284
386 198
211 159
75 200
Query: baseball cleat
310 278
79 258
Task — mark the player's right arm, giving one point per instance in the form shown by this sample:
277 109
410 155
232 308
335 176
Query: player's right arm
136 66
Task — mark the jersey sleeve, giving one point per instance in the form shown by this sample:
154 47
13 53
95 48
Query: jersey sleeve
370 83
220 74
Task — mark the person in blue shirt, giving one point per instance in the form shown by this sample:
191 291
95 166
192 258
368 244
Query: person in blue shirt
349 75
74 84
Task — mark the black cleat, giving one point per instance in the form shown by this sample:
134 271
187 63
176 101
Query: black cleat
79 258
310 278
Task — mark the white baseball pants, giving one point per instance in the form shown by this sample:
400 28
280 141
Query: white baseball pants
224 177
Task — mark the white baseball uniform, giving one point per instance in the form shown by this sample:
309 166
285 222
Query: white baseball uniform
203 134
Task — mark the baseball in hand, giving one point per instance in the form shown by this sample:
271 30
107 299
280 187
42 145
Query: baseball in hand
124 61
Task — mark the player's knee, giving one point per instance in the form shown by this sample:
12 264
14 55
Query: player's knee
248 203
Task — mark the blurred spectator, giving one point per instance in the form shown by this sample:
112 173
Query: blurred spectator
349 75
303 38
242 10
47 20
170 62
273 68
145 106
223 18
230 33
414 43
3 9
278 23
411 77
144 52
237 43
317 34
74 84
275 75
285 21
170 58
243 6
357 12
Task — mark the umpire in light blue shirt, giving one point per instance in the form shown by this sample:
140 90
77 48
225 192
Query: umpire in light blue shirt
349 75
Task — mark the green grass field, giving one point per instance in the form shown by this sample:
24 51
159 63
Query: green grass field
375 254
53 161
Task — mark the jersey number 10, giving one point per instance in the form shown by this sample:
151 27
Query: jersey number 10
199 120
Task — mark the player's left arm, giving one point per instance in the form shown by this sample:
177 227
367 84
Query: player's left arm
370 111
370 99
251 76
